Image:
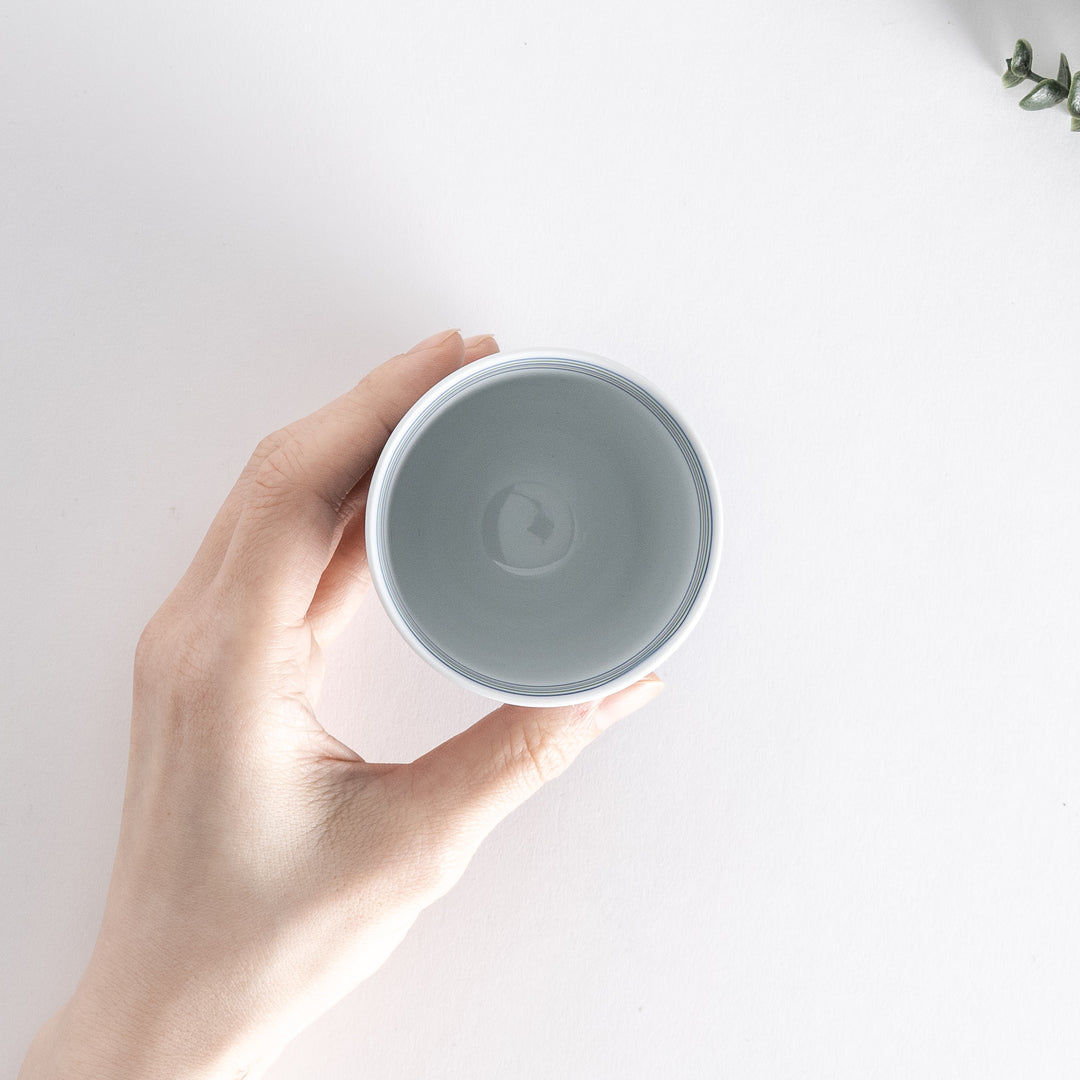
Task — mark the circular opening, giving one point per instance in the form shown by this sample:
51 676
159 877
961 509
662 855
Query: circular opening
543 526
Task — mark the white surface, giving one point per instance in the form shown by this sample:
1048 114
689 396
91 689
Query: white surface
844 841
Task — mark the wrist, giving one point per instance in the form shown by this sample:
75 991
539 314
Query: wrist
102 1037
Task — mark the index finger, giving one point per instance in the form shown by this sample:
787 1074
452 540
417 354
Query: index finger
296 505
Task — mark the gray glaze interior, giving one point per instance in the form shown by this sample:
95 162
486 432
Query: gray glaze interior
543 528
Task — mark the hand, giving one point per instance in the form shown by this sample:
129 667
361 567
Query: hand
263 868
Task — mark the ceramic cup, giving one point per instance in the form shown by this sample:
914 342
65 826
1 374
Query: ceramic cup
543 527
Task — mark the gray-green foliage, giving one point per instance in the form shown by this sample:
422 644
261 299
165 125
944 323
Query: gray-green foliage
1047 92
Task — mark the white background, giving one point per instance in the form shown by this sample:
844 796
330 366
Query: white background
845 842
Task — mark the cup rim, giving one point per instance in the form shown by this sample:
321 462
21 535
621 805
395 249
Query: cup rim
404 429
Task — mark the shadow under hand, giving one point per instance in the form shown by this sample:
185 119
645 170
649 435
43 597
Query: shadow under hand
993 26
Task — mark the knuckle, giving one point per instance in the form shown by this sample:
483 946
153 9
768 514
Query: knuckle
539 749
174 657
151 646
428 850
280 464
407 861
374 408
268 444
430 869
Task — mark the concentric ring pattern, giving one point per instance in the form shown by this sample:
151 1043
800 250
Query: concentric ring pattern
704 542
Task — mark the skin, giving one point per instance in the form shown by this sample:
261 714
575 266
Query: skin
264 869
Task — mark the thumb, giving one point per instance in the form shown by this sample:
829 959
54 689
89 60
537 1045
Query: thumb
478 777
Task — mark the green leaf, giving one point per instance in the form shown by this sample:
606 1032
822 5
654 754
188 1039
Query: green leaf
1010 78
1045 95
1021 59
1064 75
1076 123
1074 96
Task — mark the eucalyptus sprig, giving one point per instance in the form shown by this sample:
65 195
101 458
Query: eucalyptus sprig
1047 92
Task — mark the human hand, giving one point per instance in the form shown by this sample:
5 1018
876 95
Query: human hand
263 868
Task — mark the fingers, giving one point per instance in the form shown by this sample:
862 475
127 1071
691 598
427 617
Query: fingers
297 500
346 579
478 777
211 553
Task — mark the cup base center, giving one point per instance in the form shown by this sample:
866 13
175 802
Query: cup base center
527 528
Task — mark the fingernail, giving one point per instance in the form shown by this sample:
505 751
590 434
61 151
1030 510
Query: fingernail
441 338
479 339
629 700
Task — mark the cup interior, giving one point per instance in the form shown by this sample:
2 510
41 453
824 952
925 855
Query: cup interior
544 526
